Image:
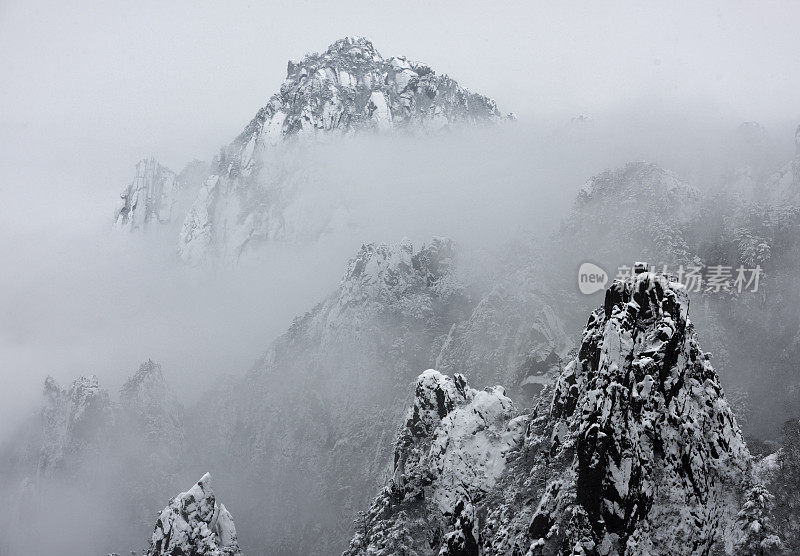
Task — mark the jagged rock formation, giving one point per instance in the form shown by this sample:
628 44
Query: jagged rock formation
195 523
151 404
313 423
255 190
448 455
149 198
120 455
638 210
653 450
73 420
634 450
157 196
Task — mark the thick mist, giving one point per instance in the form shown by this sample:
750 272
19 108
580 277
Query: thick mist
78 298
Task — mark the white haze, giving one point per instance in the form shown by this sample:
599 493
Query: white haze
77 299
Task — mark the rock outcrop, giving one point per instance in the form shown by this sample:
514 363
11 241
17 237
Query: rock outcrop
158 198
449 453
195 523
633 450
74 420
653 452
149 199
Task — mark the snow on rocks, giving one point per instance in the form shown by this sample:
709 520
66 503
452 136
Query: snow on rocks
149 198
449 453
195 523
255 193
655 451
157 197
633 450
73 420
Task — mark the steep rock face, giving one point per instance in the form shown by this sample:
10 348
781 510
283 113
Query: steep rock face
638 210
157 197
655 450
254 192
195 523
151 403
73 420
313 423
149 199
633 450
449 453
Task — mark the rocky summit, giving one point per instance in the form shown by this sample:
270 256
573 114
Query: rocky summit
255 192
195 523
633 450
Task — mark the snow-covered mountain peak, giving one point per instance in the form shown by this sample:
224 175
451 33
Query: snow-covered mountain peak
387 271
636 181
633 450
653 447
449 453
351 86
195 523
255 193
147 381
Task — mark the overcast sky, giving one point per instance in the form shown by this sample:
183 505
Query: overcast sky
122 79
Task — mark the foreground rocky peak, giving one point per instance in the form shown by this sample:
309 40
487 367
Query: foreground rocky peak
653 450
633 450
448 454
195 523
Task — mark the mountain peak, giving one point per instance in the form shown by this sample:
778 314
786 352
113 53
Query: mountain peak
195 523
355 46
349 88
634 450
